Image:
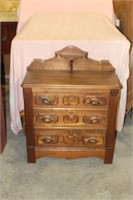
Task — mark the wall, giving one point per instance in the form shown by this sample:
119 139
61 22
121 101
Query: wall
8 5
124 11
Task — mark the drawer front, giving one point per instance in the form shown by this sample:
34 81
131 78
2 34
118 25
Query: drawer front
86 118
93 101
69 138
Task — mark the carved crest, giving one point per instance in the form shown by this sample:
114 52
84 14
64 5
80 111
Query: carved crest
71 58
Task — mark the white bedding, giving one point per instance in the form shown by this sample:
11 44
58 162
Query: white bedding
46 33
28 8
69 26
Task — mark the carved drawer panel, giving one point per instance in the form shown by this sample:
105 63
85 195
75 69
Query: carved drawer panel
58 99
46 99
90 101
89 118
93 140
70 138
71 100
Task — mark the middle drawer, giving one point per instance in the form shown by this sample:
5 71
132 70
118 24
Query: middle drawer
65 118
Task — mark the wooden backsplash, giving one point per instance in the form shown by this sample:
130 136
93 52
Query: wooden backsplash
124 11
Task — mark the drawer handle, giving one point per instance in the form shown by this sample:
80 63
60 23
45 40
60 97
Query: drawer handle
93 141
95 101
90 140
48 100
49 118
91 120
94 120
48 140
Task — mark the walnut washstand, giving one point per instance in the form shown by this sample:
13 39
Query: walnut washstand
70 106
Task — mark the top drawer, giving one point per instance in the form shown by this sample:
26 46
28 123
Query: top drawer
88 100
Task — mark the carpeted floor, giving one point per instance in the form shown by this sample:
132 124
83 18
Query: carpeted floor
61 179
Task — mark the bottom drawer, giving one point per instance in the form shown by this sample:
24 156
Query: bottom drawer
70 138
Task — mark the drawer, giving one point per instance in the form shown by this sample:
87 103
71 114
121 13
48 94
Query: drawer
93 101
70 138
86 118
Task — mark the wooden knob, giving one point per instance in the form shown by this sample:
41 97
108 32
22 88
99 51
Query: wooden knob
94 120
48 118
49 100
48 140
95 101
91 119
90 140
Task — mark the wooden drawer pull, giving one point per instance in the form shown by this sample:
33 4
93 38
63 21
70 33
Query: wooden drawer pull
93 141
48 140
90 140
92 120
95 101
49 100
49 118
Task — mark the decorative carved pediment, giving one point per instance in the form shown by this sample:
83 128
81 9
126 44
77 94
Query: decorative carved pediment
71 58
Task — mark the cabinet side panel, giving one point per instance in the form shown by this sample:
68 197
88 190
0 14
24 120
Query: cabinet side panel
30 139
111 128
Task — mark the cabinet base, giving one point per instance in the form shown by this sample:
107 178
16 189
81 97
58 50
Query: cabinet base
106 155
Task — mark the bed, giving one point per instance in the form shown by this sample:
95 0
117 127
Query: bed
50 26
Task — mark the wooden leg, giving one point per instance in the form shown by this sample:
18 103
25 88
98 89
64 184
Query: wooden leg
31 155
130 113
23 120
108 156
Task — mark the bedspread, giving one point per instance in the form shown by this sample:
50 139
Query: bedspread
94 6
